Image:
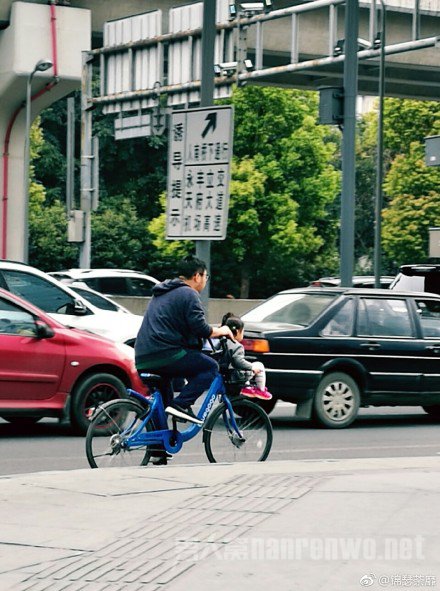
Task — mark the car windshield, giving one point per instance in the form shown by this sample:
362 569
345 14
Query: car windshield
95 299
291 308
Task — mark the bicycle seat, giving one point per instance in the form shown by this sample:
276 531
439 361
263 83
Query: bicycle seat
151 379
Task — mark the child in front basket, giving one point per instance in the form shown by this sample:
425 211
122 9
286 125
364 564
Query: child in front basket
245 370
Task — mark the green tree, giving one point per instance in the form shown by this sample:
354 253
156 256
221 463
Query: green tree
48 248
414 206
406 124
120 238
407 121
297 230
365 187
132 176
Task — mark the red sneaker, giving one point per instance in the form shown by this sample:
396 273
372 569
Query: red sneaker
248 391
262 394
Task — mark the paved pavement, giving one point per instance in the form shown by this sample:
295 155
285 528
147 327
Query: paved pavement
334 525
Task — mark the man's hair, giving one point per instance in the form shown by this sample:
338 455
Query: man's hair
190 265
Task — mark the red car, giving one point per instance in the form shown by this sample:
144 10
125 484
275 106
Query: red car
49 370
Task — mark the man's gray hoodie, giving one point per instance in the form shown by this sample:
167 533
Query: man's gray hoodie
174 321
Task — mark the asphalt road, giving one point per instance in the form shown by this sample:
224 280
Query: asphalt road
383 432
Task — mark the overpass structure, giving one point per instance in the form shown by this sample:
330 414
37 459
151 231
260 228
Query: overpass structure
298 50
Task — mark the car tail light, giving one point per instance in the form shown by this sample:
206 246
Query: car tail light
256 345
316 284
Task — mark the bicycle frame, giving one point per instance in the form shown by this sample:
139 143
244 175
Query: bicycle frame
172 439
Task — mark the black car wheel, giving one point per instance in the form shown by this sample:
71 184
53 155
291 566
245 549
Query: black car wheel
336 401
433 411
266 405
90 393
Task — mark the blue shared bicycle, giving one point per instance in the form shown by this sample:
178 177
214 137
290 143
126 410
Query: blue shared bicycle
128 432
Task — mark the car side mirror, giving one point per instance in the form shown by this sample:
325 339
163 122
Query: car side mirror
44 331
79 308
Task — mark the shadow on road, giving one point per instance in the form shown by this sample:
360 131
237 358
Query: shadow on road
44 428
368 418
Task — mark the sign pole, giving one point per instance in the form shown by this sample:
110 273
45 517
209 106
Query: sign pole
348 142
203 247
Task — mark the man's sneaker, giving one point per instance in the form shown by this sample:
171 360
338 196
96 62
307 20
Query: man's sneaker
161 459
248 391
262 394
182 413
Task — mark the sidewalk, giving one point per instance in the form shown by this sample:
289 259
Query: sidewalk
334 525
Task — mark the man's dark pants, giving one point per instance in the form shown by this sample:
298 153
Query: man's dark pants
197 368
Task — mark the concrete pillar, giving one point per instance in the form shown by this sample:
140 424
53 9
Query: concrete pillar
36 32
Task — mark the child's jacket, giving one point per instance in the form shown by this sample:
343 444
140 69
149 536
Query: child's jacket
242 368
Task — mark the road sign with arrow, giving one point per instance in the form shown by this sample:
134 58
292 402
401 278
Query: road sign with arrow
200 151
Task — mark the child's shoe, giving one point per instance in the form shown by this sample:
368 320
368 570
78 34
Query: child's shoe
262 394
248 391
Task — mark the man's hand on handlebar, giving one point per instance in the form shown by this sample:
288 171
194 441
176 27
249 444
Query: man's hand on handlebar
222 331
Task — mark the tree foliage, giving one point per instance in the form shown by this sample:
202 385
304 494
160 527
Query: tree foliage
414 207
132 175
410 188
408 121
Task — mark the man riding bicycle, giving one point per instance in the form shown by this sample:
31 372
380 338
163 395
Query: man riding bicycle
171 335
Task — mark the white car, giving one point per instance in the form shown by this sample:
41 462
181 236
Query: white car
112 282
68 306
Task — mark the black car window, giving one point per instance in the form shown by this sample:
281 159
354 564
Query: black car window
95 299
111 285
16 321
39 292
384 317
429 314
342 322
92 283
140 287
432 282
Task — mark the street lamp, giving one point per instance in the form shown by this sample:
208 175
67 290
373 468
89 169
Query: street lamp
40 66
379 166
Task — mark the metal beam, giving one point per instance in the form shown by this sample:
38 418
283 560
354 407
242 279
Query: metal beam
271 72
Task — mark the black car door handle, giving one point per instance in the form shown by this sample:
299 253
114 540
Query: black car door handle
370 346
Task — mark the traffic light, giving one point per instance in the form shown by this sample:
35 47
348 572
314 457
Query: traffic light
331 105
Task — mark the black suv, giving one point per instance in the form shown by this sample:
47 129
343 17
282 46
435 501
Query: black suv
332 350
418 278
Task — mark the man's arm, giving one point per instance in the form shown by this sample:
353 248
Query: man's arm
221 331
197 321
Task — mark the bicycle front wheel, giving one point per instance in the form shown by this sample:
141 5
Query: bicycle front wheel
106 440
223 444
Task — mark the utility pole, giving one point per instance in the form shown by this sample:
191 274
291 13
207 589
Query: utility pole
86 161
379 163
203 247
348 142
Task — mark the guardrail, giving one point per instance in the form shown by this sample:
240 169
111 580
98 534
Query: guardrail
217 306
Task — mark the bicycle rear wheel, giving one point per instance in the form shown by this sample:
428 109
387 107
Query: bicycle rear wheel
108 431
222 444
